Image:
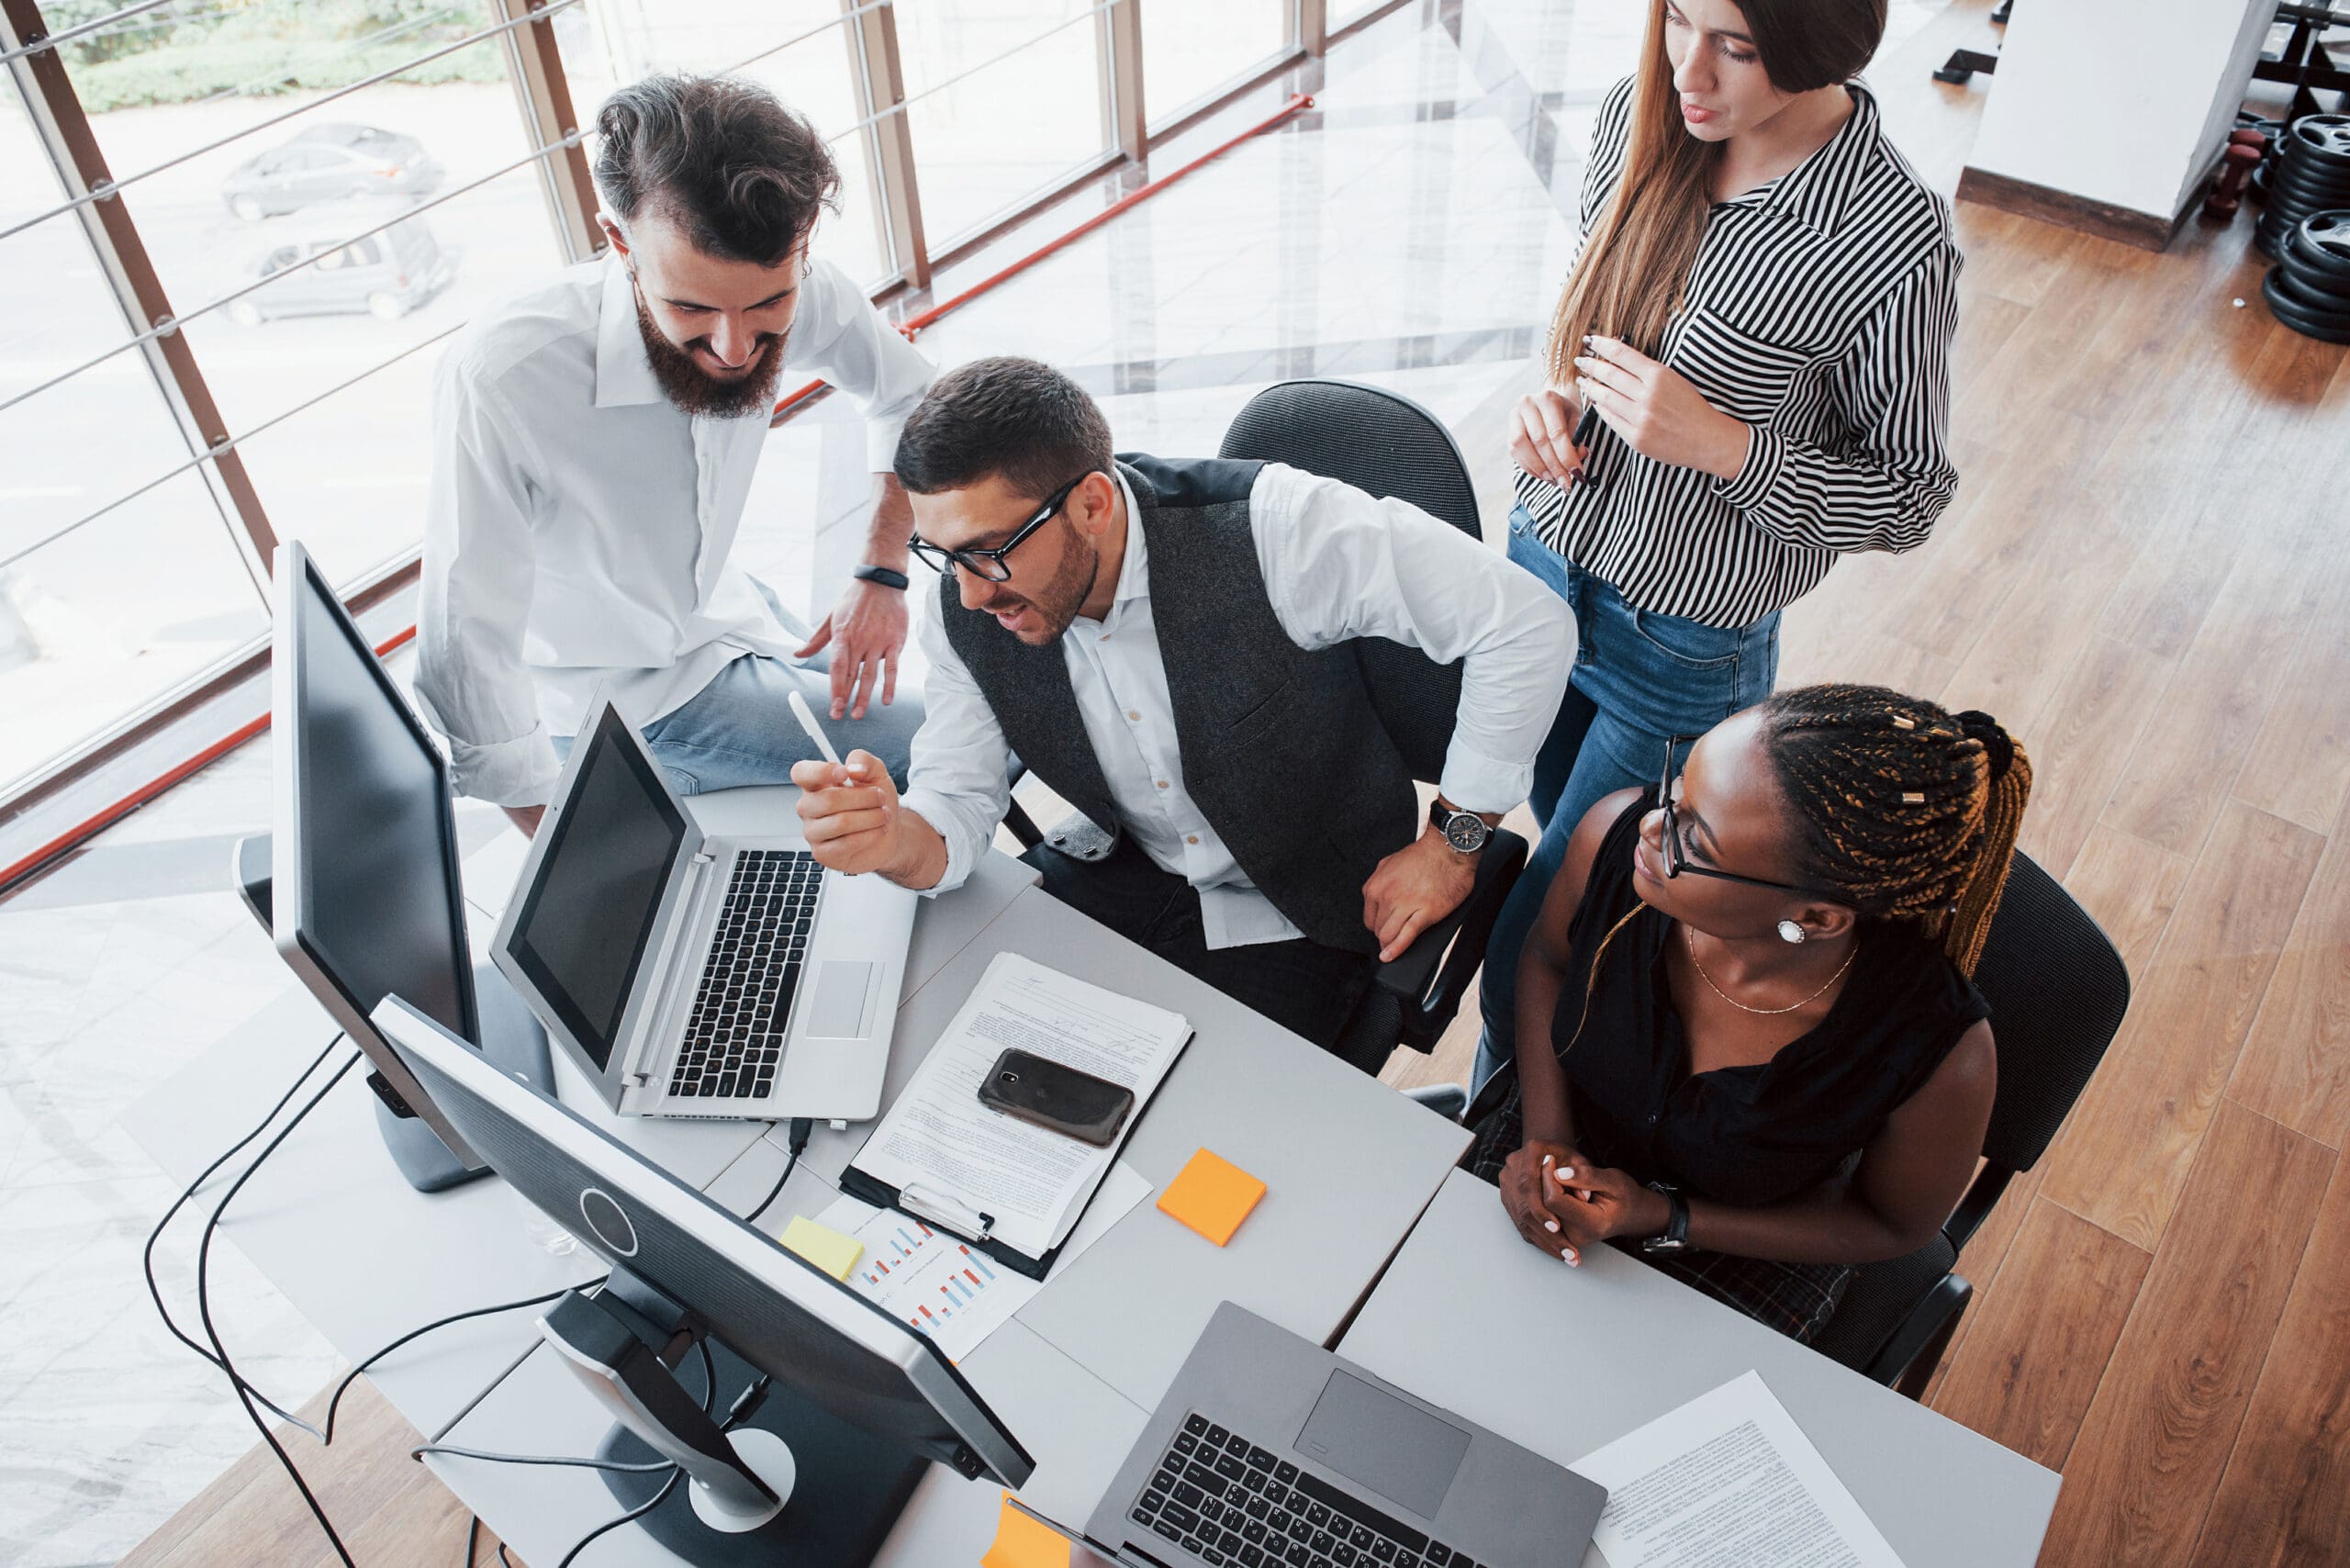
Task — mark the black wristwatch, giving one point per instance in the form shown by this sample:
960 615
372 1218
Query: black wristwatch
1465 831
1676 1237
882 575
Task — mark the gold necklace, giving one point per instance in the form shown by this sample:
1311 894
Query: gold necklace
1688 937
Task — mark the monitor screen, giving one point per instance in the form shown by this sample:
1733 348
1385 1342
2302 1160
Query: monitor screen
586 920
778 1312
379 904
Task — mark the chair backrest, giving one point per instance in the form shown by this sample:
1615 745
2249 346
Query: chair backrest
2057 991
1387 445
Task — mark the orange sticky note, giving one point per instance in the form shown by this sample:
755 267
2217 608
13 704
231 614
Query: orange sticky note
1211 1195
1022 1542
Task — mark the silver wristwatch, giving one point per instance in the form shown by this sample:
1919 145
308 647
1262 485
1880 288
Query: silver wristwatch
1465 831
1675 1235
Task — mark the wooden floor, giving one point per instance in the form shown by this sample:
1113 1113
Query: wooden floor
2145 577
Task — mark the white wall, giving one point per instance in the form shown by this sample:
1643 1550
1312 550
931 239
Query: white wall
2119 101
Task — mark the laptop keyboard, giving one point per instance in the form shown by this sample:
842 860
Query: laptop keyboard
1228 1501
734 1036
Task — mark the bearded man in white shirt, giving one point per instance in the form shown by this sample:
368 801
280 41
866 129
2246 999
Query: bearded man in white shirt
595 440
1167 644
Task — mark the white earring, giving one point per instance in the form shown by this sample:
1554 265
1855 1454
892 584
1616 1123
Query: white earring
1790 932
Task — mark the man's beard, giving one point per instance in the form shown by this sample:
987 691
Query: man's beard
694 390
1057 602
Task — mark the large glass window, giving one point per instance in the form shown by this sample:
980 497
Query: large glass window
1195 47
327 188
1005 100
802 51
120 579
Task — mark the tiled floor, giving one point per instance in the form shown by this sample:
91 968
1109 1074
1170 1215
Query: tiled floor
1409 232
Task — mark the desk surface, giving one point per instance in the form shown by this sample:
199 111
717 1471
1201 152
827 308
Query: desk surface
365 1257
1348 1164
1565 1361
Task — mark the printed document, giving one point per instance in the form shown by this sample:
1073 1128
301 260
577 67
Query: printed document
1727 1479
940 1141
952 1293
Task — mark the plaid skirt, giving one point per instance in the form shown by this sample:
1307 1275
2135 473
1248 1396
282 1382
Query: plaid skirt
1796 1299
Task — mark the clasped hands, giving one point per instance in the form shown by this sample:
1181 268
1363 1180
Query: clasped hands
850 814
1561 1203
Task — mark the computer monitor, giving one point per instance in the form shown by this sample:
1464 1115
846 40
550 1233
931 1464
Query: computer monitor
859 1397
364 899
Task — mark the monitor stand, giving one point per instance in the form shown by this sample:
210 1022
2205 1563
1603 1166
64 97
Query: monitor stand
842 1488
514 1043
512 1039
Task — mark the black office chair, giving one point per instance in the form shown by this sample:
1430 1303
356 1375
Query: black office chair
2057 991
1391 446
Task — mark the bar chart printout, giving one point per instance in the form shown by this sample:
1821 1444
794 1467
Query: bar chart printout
932 1280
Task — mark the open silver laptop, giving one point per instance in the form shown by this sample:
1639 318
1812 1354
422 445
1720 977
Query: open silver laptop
699 977
1269 1451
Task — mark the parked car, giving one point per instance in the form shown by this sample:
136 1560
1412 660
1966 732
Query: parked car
329 162
385 275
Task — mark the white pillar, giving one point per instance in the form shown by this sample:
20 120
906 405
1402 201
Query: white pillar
2109 115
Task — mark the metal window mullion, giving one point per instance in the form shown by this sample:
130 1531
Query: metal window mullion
534 60
882 97
1313 18
72 145
1122 82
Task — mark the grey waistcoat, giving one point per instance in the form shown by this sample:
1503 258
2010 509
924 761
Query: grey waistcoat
1281 748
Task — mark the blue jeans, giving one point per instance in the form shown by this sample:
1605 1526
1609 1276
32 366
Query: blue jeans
1639 678
738 731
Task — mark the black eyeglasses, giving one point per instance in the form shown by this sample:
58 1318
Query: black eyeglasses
990 565
1676 859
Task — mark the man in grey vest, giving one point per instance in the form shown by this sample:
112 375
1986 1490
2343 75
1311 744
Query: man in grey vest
1163 643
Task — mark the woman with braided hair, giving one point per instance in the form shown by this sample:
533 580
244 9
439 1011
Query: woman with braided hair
1748 1049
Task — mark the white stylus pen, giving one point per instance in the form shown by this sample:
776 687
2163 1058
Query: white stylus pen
808 723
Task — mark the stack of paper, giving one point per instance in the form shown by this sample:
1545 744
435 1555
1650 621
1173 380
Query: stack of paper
939 1140
1728 1478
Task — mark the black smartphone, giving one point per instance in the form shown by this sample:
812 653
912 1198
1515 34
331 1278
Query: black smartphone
1056 1097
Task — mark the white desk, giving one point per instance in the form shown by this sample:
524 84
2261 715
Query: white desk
1565 1361
365 1257
1349 1165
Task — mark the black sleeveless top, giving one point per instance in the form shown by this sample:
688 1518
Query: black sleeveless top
1742 1134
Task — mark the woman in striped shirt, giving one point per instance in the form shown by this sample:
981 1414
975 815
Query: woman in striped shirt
1759 315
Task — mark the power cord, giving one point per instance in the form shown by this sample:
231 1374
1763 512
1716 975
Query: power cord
423 1448
154 1236
245 1394
802 1129
351 1376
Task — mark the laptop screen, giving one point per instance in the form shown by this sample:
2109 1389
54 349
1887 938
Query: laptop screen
586 919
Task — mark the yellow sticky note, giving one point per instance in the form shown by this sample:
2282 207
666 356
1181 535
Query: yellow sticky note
823 1246
1211 1195
1022 1542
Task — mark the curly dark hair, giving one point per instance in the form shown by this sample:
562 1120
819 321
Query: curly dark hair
741 175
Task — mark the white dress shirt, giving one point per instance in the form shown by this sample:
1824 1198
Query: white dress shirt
1337 565
579 523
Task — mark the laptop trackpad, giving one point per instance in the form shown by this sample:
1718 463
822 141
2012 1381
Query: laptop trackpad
1374 1438
836 1007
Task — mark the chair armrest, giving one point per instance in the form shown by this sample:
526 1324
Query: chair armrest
1015 816
1982 1196
1930 1323
1432 976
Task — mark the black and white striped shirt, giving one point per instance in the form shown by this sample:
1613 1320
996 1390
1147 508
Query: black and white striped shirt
1820 312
